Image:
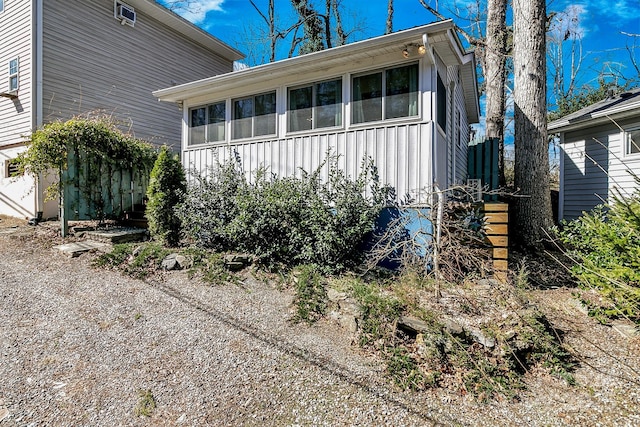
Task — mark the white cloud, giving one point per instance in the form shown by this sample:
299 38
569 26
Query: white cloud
196 11
570 21
618 10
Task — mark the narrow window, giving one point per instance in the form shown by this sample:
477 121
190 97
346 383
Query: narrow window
633 142
402 92
441 100
367 98
388 94
254 116
315 106
13 75
207 124
1 6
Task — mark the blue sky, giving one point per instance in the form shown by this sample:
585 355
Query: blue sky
603 24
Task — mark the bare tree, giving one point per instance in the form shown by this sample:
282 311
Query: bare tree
389 25
495 76
533 209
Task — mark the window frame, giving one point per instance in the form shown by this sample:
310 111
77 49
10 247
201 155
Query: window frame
14 74
1 6
628 142
385 115
254 122
208 125
315 108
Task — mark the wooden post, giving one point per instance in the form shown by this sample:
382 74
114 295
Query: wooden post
497 229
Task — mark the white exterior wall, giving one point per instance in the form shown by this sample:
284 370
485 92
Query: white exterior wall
17 197
16 40
594 168
402 149
401 153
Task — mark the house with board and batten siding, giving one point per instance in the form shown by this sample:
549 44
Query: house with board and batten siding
405 100
600 153
64 58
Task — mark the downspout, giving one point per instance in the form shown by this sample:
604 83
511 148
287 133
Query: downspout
36 97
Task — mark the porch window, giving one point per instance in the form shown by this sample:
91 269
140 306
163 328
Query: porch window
254 116
633 142
207 123
387 94
13 75
315 106
1 6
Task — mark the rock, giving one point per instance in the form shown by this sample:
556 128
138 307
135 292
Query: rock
234 266
452 327
350 307
336 296
174 262
236 262
413 324
482 339
349 323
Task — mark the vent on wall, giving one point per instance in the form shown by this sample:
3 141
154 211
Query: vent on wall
125 13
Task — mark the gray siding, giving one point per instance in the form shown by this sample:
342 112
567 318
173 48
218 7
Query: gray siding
16 41
92 62
585 179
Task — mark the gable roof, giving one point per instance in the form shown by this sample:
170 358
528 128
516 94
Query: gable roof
614 108
181 25
440 35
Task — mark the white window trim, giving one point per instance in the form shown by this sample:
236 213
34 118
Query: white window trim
349 88
626 143
117 3
12 75
315 129
232 137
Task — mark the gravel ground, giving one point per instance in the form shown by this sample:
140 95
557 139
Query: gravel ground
78 345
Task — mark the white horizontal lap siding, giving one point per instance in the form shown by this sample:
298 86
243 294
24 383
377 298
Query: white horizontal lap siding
586 166
92 62
16 117
622 167
401 154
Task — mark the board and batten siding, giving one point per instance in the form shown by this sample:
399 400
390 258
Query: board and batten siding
93 63
16 118
400 152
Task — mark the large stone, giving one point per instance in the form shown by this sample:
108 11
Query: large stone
482 339
174 262
413 324
336 296
78 248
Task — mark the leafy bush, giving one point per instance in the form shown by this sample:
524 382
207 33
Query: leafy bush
167 186
605 243
311 294
285 221
98 142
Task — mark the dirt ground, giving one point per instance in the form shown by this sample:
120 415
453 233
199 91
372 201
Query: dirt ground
81 346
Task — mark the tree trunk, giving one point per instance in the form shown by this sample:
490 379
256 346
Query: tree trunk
494 61
533 208
389 26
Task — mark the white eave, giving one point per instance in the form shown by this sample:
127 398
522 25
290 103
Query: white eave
595 118
185 27
440 36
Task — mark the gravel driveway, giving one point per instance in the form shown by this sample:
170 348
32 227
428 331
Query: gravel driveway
79 345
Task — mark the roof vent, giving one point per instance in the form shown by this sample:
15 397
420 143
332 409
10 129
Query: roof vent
125 13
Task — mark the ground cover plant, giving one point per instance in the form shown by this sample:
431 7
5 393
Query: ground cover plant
604 245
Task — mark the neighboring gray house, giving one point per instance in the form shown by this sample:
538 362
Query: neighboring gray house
61 58
600 151
405 99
